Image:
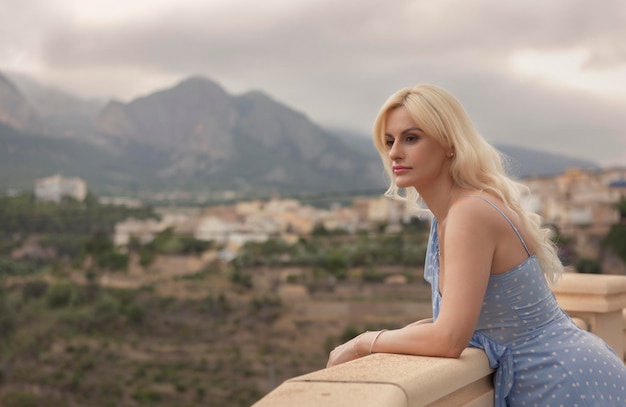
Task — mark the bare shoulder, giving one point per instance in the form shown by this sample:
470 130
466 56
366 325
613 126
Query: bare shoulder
474 227
472 211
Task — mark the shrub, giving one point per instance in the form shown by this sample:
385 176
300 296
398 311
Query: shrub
371 275
616 238
66 245
61 295
34 289
242 279
588 266
11 267
147 397
191 245
107 309
348 333
20 399
7 315
135 314
146 257
112 260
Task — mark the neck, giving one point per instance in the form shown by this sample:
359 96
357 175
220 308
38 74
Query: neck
440 198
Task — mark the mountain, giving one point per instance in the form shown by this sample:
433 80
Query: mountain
15 110
191 138
25 157
248 142
525 162
60 113
50 102
194 139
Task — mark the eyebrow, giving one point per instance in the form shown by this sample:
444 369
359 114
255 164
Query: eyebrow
410 129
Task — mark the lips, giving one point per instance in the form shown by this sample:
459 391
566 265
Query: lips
399 169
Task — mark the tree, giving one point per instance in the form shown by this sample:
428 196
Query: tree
336 263
616 238
7 314
621 206
588 266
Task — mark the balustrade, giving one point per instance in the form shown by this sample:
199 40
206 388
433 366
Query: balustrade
595 302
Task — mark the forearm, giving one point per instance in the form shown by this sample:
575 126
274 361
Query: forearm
420 322
420 338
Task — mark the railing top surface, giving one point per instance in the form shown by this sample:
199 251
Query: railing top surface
591 284
408 377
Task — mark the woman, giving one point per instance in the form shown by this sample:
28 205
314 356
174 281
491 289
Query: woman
488 263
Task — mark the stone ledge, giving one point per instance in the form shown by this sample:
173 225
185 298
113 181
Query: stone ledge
591 283
591 292
392 380
334 394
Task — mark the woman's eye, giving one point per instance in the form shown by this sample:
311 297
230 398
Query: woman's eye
412 139
389 143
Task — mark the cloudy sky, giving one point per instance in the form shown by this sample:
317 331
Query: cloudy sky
535 73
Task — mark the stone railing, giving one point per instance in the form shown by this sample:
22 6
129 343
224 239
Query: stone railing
599 300
391 380
593 301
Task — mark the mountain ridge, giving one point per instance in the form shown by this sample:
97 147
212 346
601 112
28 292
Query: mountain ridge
14 107
196 137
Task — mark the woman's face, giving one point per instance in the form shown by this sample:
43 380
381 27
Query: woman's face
417 160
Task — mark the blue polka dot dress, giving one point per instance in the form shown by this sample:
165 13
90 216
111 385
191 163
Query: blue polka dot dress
541 357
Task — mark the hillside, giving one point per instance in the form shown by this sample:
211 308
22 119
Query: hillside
24 157
166 323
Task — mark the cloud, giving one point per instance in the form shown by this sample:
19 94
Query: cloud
338 61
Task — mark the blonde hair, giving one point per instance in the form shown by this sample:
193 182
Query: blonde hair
476 164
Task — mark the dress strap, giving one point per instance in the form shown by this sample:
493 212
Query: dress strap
519 235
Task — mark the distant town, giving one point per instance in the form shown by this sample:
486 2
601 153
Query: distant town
578 204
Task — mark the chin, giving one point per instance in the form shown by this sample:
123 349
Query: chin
402 185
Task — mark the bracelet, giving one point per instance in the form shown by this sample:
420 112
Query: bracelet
375 338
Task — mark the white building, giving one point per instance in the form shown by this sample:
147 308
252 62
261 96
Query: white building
144 230
56 187
211 228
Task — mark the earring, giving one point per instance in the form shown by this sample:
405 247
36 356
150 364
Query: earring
451 154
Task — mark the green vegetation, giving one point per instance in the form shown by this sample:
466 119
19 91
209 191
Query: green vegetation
167 242
64 235
588 266
91 345
24 215
332 254
61 235
616 239
20 399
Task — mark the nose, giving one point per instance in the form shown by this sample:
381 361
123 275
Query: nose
395 152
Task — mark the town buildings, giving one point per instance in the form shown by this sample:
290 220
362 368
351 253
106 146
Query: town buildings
580 205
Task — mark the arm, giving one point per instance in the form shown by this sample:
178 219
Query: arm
420 322
470 241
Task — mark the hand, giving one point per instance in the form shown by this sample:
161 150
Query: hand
344 353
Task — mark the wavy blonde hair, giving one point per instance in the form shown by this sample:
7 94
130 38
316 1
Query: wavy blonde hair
476 164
